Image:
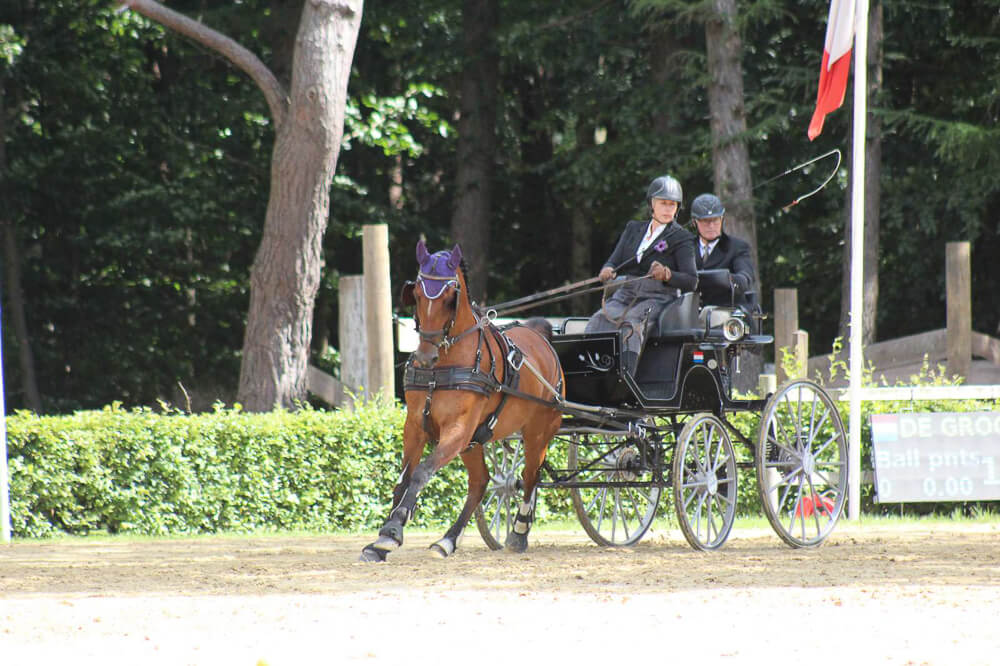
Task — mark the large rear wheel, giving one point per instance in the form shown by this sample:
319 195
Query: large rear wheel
801 462
704 482
615 485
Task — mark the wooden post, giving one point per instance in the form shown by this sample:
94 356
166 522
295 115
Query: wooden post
767 384
958 283
786 322
353 334
378 310
800 350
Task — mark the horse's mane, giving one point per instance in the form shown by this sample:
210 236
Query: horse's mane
464 267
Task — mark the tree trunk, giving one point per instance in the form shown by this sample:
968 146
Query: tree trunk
15 295
470 222
664 48
730 155
582 232
540 226
309 125
286 269
12 261
873 193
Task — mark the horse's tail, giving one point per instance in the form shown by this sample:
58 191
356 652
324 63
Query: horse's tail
541 326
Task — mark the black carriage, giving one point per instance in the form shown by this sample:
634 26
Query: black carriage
632 436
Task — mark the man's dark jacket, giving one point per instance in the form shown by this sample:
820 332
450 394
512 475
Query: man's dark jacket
732 254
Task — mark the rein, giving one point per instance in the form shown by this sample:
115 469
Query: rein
578 291
558 293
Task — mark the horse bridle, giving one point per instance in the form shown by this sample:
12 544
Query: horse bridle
439 338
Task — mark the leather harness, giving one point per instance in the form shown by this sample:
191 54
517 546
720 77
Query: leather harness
475 379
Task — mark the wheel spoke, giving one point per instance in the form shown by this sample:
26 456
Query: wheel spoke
816 501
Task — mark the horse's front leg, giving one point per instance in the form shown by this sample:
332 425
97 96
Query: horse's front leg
474 460
390 536
414 439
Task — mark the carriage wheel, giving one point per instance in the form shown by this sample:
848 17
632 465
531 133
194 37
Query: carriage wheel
801 461
705 482
621 504
496 513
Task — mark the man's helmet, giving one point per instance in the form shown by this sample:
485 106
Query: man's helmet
665 187
706 205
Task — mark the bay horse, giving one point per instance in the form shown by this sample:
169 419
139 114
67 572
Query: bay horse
467 384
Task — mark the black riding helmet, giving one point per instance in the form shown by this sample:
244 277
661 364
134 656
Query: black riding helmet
665 187
706 205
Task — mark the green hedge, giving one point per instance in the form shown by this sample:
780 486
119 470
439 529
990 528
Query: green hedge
145 472
149 473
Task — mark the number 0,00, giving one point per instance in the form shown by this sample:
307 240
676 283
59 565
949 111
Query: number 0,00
952 487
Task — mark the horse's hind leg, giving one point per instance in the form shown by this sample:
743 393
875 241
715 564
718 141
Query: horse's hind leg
475 464
536 443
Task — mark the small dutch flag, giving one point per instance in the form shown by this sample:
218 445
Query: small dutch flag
699 356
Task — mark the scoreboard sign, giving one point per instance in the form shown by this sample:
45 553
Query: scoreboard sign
936 457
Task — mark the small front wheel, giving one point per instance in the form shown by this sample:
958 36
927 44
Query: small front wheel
705 482
495 515
617 488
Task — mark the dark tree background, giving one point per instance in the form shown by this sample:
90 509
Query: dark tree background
134 172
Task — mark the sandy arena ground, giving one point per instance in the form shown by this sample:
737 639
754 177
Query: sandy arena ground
870 595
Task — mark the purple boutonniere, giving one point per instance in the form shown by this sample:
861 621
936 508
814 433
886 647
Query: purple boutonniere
661 246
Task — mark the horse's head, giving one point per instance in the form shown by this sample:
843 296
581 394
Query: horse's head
437 296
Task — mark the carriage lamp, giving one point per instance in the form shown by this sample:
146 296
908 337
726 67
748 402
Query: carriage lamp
734 328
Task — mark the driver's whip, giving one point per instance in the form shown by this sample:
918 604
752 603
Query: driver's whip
798 200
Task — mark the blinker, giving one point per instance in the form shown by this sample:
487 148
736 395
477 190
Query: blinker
433 286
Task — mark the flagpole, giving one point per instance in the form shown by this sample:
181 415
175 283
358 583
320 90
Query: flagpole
4 483
857 257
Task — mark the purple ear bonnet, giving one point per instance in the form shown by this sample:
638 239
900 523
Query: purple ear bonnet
437 270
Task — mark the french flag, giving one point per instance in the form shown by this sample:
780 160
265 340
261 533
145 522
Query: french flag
836 62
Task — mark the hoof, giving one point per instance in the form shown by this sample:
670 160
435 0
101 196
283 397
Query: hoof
442 548
372 553
390 536
516 543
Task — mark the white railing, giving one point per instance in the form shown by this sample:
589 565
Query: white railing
916 393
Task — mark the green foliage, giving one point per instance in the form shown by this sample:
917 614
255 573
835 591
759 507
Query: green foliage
382 122
138 165
140 472
146 473
11 45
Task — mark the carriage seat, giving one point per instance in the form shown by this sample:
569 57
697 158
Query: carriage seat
719 300
681 316
573 325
